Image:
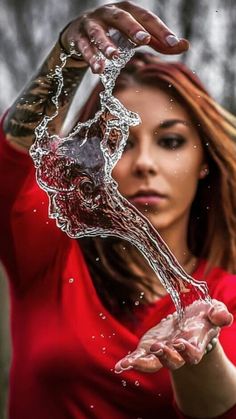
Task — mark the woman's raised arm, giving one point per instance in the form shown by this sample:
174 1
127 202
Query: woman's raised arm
89 33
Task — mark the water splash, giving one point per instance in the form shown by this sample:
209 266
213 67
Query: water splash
75 171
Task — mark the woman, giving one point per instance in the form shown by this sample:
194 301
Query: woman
74 305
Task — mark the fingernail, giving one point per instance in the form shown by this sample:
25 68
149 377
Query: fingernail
179 346
211 311
160 352
96 67
141 35
172 40
110 50
157 351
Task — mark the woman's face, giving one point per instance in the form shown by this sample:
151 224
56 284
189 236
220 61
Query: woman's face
163 160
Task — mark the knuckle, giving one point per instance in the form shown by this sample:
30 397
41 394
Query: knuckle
85 49
97 12
117 14
107 8
124 4
145 17
82 22
102 44
82 43
94 31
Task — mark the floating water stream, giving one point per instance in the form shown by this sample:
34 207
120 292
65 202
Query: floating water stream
75 171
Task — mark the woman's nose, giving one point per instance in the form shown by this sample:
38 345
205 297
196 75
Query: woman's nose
145 163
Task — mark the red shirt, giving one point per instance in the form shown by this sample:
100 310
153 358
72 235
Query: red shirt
65 342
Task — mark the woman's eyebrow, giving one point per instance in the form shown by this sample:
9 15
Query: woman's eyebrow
168 123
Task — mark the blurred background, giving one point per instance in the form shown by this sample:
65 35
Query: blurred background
29 28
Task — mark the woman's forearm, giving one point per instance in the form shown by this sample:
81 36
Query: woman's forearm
207 389
35 100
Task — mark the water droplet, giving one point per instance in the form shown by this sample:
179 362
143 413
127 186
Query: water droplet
136 383
34 210
136 303
97 259
91 406
124 384
71 280
93 337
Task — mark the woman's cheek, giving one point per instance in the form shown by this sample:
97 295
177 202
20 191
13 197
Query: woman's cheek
183 180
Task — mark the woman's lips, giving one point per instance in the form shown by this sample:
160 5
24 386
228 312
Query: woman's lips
147 200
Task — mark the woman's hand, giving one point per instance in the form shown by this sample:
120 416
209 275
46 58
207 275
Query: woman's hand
172 344
89 32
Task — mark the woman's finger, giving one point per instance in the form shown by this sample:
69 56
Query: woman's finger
182 46
191 354
142 27
97 34
149 363
89 53
163 39
219 315
128 361
124 21
168 357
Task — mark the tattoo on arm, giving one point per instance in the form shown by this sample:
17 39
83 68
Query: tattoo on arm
35 101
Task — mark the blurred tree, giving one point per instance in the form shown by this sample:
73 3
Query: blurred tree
28 28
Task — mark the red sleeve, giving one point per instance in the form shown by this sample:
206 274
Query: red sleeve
28 238
222 287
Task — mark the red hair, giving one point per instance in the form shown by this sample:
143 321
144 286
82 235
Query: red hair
212 222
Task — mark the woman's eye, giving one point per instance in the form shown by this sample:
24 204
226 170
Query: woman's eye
171 142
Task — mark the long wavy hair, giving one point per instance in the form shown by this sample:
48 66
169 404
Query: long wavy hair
212 221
